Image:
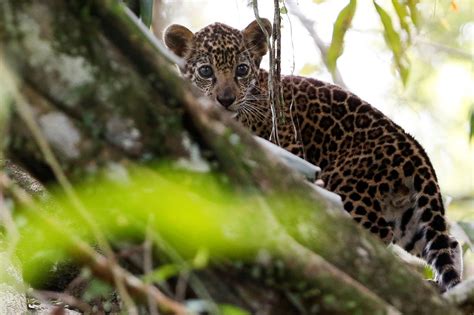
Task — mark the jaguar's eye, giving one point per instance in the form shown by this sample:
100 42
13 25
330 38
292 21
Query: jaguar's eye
242 70
205 71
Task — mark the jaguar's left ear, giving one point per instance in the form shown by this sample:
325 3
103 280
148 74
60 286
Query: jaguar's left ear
255 38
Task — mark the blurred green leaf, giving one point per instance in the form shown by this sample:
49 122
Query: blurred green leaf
163 273
428 272
308 69
402 13
283 10
201 260
146 11
97 288
414 13
342 24
394 43
205 223
227 309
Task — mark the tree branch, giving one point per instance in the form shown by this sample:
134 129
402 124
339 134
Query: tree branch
273 86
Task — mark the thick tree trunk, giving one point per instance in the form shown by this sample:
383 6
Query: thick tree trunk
101 91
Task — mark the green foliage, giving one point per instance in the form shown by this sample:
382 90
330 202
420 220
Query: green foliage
392 38
342 24
408 19
227 309
403 15
192 219
97 288
167 271
308 69
194 214
414 13
283 8
146 12
428 272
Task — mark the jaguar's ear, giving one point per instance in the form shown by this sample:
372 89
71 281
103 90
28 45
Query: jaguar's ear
255 38
178 38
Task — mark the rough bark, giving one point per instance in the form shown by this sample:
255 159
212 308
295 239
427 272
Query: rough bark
12 299
102 92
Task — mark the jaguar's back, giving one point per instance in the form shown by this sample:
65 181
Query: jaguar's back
382 174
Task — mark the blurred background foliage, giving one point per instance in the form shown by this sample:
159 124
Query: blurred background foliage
191 219
206 220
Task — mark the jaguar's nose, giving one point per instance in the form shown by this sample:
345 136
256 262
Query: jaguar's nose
226 100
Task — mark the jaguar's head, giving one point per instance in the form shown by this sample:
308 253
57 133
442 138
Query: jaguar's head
221 61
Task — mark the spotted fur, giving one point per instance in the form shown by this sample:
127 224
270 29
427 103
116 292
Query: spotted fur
383 175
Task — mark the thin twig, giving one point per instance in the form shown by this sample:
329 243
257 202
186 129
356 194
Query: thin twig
309 26
148 266
198 287
276 47
294 121
182 284
271 74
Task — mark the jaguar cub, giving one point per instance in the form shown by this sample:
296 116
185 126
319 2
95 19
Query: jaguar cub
382 174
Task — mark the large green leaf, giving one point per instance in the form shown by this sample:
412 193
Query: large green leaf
163 273
394 43
342 24
414 13
403 14
146 11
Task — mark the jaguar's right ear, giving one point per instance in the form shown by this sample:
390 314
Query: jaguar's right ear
178 38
